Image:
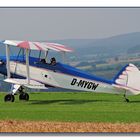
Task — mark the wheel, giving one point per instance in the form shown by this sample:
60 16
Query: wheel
127 100
24 96
9 98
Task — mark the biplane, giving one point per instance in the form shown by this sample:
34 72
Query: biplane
25 71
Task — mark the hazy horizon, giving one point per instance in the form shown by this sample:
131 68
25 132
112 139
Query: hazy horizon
67 23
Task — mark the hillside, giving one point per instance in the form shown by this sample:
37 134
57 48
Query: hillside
134 49
115 44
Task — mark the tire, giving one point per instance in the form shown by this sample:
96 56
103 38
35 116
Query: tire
127 100
24 97
9 98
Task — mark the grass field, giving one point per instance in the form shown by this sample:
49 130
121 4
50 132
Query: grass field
72 107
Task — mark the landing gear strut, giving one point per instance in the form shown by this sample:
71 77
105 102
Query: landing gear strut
127 100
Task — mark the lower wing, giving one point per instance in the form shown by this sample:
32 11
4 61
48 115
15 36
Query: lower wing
23 82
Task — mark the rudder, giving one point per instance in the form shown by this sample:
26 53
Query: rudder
129 78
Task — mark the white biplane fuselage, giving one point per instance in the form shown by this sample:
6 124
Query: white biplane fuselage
59 75
57 78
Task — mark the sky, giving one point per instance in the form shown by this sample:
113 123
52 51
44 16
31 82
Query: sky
67 23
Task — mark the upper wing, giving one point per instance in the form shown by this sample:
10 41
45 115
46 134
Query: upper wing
43 46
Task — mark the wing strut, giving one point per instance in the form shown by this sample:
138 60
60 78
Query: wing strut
46 54
64 57
27 66
8 61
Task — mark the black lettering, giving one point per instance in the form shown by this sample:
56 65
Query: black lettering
81 83
86 84
95 86
73 82
89 85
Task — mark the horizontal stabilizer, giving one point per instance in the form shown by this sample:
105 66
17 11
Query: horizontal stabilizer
23 82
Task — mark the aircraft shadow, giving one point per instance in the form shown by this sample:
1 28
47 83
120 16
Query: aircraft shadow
134 102
64 102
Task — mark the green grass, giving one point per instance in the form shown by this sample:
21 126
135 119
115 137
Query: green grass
75 107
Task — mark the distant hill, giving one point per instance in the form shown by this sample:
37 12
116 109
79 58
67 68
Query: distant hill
135 49
113 45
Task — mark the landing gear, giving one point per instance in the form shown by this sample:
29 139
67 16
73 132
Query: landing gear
127 100
24 97
19 89
9 98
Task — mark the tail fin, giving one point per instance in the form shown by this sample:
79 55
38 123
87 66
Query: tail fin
129 78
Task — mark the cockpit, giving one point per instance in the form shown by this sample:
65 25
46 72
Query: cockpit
52 61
